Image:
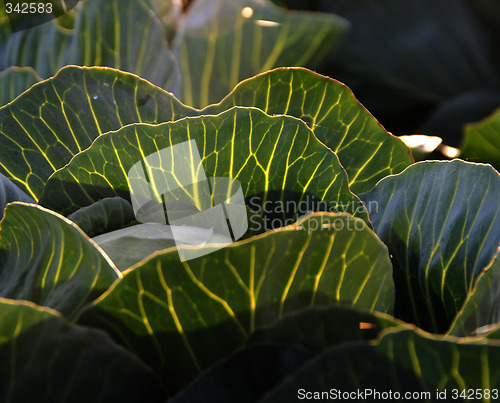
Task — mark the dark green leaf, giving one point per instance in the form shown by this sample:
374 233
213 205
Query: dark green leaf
481 309
280 350
43 359
449 119
436 47
488 13
181 317
5 30
246 375
46 259
403 361
441 223
319 328
105 215
10 193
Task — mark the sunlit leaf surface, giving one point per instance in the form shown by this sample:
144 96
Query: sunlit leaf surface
45 127
58 118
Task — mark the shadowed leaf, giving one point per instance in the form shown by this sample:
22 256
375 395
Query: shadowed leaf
11 193
403 57
42 358
482 141
15 81
128 246
246 375
319 328
481 309
449 119
105 215
281 350
403 361
441 222
181 317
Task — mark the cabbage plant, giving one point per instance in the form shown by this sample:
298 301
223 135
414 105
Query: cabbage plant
362 271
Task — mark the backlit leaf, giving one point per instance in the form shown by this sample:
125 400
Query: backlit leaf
276 160
216 43
449 119
365 149
44 128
